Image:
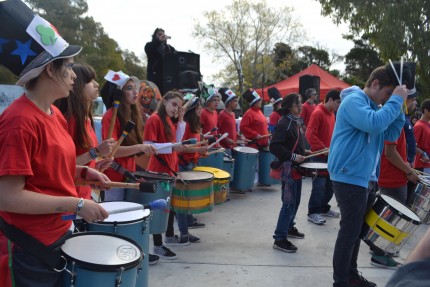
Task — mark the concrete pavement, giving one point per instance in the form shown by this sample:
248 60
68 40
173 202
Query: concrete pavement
236 248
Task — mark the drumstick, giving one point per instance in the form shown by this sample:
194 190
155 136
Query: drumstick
188 141
153 205
130 125
263 136
145 186
320 152
216 151
419 172
198 143
116 103
185 106
211 131
218 140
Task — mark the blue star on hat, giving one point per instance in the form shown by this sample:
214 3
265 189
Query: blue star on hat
23 50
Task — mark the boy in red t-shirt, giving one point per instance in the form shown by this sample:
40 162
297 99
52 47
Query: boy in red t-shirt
227 120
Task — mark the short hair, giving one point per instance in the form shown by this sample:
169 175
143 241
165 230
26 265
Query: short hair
309 92
381 74
288 101
425 105
332 94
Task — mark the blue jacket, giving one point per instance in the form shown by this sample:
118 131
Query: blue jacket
358 137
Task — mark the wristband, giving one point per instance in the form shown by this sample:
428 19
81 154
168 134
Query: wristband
79 205
93 153
84 172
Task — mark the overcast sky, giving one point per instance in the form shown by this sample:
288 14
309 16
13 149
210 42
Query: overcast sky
132 22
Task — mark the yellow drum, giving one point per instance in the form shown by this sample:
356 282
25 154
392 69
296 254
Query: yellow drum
221 183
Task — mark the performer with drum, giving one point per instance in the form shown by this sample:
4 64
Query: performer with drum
361 127
227 121
209 114
38 162
275 116
422 136
318 134
288 146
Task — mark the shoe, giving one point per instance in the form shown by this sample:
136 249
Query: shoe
294 233
153 259
331 213
384 261
284 245
360 281
316 218
164 252
395 255
196 224
193 239
176 240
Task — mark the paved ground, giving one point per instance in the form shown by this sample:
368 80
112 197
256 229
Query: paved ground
236 248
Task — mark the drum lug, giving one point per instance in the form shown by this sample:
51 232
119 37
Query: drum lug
115 227
118 281
72 275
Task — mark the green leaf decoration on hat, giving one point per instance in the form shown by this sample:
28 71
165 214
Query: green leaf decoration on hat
47 35
207 90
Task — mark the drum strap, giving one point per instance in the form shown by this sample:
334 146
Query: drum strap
163 162
33 246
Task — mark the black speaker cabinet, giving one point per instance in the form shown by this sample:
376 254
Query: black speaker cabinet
181 70
307 82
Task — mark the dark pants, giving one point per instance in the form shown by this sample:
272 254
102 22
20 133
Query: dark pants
352 200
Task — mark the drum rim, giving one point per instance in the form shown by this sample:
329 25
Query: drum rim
398 212
100 267
148 175
237 149
216 172
191 181
303 165
104 222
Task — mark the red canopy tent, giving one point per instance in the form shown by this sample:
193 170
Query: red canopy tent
291 85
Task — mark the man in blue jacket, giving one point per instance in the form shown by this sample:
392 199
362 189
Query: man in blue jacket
358 138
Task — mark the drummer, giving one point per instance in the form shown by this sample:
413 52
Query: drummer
209 115
275 116
393 179
356 145
227 121
38 162
318 134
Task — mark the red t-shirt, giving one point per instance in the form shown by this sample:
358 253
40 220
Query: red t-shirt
189 157
422 136
128 162
274 118
208 120
320 128
37 146
83 191
307 110
155 132
227 124
390 176
254 123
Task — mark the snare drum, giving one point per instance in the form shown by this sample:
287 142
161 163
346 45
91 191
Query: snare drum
163 185
100 259
213 160
420 201
221 183
193 192
244 167
314 169
132 224
388 224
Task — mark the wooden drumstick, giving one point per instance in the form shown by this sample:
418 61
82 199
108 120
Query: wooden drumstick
130 125
145 186
185 106
215 151
116 103
211 131
218 140
198 143
320 152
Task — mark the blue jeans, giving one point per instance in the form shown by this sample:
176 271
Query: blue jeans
291 194
352 200
184 219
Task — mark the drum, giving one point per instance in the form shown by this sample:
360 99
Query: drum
265 157
228 166
193 192
213 160
100 259
244 167
388 224
420 200
132 224
221 183
314 169
163 190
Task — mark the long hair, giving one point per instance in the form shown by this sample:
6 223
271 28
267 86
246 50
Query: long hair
162 113
78 105
193 119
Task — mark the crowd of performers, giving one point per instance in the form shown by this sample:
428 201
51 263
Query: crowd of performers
48 145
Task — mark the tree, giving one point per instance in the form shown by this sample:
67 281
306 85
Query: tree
394 27
246 29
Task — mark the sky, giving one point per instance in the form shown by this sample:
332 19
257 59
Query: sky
132 22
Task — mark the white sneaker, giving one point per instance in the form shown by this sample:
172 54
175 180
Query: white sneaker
316 218
331 213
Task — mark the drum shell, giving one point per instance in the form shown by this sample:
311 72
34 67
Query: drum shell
265 157
163 190
136 229
98 275
420 201
221 183
193 196
213 160
386 228
307 170
228 166
244 167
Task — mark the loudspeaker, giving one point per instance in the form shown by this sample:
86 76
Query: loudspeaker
181 70
307 82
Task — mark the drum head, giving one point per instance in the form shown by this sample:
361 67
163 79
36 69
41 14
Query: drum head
217 173
245 149
124 216
102 251
195 176
153 176
400 207
314 165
